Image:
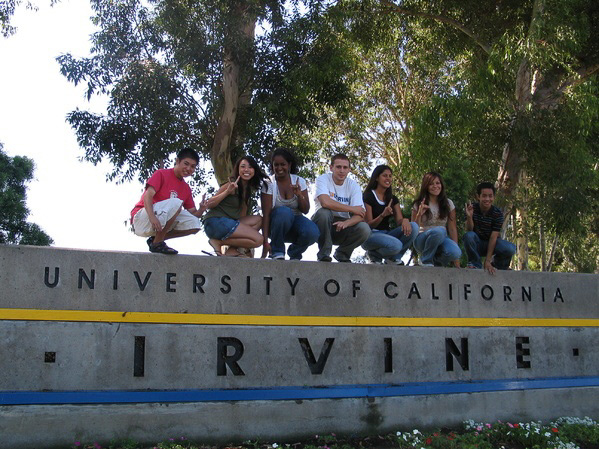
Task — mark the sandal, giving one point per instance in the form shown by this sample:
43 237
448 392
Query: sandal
162 248
150 242
216 246
234 252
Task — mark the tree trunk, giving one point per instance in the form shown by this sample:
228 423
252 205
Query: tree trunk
542 246
522 240
553 248
221 152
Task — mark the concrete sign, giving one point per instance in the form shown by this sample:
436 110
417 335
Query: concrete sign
218 348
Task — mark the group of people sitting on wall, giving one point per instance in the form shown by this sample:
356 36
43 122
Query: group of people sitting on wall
345 215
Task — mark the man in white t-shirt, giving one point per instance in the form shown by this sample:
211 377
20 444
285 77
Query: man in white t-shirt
339 212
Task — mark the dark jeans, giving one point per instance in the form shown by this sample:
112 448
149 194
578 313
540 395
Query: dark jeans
295 229
477 247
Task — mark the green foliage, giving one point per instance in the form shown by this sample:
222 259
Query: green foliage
456 86
15 172
161 64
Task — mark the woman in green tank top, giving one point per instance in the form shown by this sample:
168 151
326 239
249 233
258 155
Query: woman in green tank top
227 222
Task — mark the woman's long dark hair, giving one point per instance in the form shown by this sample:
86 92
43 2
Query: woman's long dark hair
373 183
254 184
427 180
288 156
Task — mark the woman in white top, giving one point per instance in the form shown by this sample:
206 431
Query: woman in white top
435 215
284 203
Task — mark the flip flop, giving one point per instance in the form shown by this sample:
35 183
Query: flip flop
162 248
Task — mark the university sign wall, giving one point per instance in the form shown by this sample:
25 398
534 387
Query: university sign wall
215 347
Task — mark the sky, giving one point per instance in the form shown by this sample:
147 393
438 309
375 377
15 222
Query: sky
70 199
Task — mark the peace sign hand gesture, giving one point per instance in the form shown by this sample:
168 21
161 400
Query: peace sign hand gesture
297 190
232 185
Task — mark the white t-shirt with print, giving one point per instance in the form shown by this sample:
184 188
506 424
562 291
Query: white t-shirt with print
348 193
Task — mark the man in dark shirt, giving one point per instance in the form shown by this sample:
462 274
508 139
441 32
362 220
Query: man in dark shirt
483 223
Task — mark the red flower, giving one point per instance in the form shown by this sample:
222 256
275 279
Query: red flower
554 429
516 425
436 434
429 440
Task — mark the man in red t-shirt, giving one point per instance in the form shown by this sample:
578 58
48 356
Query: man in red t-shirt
166 209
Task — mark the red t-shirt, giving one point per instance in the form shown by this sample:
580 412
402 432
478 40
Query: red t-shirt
167 185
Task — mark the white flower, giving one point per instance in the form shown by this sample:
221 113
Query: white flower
275 445
547 434
398 434
415 431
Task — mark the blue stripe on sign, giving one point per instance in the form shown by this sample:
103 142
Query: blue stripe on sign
290 393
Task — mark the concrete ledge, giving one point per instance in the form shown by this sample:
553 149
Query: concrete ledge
154 347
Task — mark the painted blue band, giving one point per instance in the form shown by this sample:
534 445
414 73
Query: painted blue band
290 393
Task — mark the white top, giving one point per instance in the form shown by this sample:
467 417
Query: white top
271 188
434 220
348 193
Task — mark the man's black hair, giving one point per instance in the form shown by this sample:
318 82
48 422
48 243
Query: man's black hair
485 185
189 153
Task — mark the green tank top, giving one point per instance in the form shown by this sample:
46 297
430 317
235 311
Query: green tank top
230 207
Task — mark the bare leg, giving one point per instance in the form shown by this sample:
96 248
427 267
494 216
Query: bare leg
160 236
246 236
174 234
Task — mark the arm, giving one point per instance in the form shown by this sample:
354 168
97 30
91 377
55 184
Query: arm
149 207
452 230
401 221
303 202
199 212
224 191
328 203
266 205
374 222
469 215
490 249
417 213
342 224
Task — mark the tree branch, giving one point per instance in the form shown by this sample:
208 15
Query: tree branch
447 20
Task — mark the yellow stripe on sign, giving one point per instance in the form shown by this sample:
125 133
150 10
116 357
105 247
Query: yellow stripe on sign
100 316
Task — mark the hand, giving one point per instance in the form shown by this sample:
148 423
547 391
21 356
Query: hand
488 267
422 208
406 226
456 263
232 185
155 223
341 225
297 191
387 210
358 210
265 249
469 209
203 205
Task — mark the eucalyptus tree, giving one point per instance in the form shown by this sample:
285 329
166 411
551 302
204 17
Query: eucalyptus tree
530 70
223 76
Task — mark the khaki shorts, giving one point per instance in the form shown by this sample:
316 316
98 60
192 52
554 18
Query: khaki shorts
164 211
